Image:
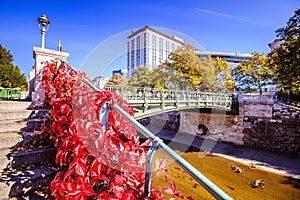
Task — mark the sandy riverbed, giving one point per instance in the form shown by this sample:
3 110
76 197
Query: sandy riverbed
218 169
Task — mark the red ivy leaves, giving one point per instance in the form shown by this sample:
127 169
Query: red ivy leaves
172 190
100 162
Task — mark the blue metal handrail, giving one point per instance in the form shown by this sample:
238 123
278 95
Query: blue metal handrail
157 142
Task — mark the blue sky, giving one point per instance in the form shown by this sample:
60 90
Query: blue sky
230 26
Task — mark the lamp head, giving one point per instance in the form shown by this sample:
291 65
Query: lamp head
43 21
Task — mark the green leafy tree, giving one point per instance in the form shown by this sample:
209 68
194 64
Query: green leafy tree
141 77
208 79
188 71
117 79
161 78
223 72
10 75
253 74
285 60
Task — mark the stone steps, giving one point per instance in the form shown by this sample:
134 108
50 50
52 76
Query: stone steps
11 158
14 114
12 125
9 139
22 183
10 114
13 138
21 124
24 166
16 105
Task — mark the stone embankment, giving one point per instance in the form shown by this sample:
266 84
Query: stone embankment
279 133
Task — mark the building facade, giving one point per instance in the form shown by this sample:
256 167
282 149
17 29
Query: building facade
232 58
149 47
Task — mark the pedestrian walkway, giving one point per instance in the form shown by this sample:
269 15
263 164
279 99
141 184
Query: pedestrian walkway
266 160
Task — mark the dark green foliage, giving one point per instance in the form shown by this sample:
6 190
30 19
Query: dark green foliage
10 75
285 60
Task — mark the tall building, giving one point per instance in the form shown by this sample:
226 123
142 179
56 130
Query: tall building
149 47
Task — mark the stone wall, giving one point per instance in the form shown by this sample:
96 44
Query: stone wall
222 127
279 133
261 123
167 121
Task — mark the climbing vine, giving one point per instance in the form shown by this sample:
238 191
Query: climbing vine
97 160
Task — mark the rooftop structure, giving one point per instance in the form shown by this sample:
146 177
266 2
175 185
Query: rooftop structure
232 58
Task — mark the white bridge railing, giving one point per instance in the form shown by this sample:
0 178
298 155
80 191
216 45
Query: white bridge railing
152 101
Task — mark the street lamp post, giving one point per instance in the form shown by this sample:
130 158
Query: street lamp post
44 26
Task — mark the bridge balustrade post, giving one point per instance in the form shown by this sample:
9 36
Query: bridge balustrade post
162 98
124 94
187 97
176 99
146 105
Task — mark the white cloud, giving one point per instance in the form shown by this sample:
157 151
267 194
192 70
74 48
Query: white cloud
225 15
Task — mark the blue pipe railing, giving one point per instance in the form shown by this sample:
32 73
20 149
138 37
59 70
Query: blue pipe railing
157 142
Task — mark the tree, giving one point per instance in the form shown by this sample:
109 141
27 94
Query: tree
161 78
141 77
285 60
10 75
253 74
117 79
223 72
188 71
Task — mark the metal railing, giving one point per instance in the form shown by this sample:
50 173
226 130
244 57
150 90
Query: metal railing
287 101
157 142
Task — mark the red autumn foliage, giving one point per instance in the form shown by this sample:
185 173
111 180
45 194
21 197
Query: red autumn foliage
98 161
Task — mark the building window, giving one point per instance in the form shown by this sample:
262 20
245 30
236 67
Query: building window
153 51
138 51
160 58
132 65
128 62
138 42
173 47
138 57
167 48
132 44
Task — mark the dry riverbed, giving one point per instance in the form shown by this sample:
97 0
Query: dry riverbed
220 171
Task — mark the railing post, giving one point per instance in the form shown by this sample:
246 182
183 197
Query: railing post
148 171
